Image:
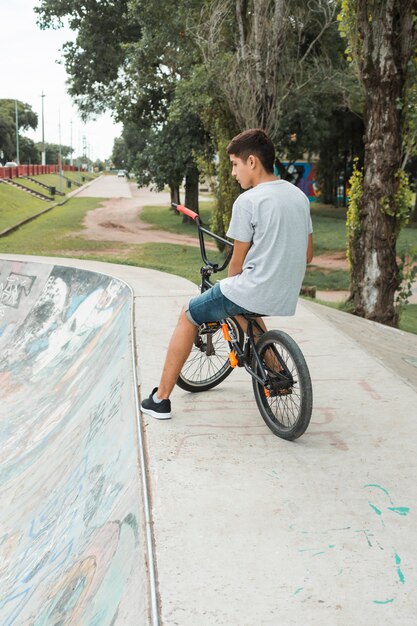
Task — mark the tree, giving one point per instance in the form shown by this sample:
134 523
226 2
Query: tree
266 52
53 150
29 152
119 155
382 41
126 59
339 144
27 118
278 65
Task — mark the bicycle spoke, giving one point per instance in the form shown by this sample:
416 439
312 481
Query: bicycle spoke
201 371
287 411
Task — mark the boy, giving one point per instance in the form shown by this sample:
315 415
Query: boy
272 232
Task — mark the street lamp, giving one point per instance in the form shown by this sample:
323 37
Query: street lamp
43 134
60 152
17 132
71 159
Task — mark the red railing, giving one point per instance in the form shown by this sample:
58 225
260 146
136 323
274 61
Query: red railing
32 170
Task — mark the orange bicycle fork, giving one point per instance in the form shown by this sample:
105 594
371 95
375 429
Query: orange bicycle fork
233 358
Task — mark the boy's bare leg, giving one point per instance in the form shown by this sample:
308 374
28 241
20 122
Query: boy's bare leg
269 357
178 350
244 325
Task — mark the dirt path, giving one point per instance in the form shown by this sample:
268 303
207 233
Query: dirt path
117 219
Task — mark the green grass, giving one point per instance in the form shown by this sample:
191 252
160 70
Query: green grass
33 186
163 218
54 232
408 319
182 261
333 280
329 225
16 205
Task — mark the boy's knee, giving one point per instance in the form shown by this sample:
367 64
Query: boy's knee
183 318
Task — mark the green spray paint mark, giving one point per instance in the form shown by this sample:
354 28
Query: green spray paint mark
273 474
383 601
399 571
401 510
381 488
298 590
377 511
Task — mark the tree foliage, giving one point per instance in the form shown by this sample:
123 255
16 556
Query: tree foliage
267 55
27 118
129 60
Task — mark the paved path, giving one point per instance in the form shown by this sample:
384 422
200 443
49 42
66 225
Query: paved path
250 529
106 186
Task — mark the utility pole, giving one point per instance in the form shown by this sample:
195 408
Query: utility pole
17 132
60 153
43 133
85 161
71 160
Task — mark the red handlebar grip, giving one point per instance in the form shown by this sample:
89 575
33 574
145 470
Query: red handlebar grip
183 209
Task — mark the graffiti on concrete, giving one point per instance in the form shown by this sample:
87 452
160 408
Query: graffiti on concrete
71 544
14 287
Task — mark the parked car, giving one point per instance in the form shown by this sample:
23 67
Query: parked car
10 164
121 174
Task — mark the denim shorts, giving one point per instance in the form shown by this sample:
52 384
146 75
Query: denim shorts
212 306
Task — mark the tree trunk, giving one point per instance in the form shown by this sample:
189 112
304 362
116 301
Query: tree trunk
191 190
175 194
413 218
375 274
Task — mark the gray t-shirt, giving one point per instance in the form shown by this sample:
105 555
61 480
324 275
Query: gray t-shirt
275 217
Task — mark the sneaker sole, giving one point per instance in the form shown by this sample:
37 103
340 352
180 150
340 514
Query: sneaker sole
158 416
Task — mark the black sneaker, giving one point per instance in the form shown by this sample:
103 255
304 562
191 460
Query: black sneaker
160 410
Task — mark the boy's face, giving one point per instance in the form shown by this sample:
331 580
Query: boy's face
242 170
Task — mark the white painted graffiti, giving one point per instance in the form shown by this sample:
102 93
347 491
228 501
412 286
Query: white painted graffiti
12 289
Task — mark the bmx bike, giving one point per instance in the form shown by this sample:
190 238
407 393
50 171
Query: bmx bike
280 376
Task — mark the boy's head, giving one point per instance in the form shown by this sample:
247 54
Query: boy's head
254 142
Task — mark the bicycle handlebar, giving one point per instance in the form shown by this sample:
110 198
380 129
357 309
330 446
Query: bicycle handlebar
183 209
201 231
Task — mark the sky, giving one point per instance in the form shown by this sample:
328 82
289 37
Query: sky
29 67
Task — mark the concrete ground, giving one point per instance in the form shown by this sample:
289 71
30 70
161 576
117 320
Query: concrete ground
250 529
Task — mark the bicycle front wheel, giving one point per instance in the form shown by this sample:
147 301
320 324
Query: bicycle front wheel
286 402
208 364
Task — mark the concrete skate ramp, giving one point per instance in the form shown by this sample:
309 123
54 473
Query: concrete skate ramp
72 548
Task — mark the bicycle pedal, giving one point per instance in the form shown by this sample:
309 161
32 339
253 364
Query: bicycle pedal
209 327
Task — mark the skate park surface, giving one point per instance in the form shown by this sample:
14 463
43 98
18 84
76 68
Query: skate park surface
111 517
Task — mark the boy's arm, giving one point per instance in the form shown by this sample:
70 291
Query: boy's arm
310 248
240 250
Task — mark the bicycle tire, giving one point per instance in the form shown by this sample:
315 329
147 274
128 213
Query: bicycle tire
201 372
287 412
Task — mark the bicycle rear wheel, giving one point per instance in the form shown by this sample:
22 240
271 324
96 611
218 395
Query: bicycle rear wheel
208 364
286 402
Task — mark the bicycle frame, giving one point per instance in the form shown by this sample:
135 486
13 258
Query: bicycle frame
238 357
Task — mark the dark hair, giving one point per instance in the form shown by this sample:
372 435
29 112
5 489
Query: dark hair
254 141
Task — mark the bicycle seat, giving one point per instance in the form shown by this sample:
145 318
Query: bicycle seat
252 316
